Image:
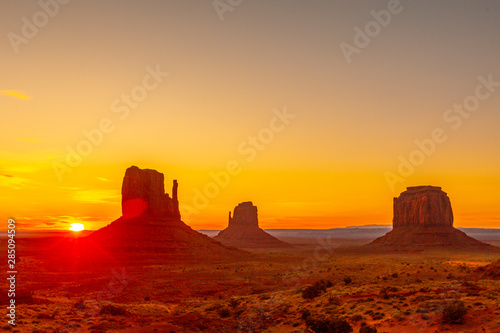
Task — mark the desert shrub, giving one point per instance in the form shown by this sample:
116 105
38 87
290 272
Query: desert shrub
234 302
454 312
334 300
45 315
316 289
113 310
79 305
285 307
347 280
310 293
328 325
305 314
357 317
384 292
367 329
398 315
378 315
466 283
395 275
224 313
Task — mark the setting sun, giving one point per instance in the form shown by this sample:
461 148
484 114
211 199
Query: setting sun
76 227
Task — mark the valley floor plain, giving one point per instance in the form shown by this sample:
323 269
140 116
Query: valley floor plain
394 292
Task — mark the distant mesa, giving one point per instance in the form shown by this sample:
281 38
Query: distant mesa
243 230
423 219
151 222
422 206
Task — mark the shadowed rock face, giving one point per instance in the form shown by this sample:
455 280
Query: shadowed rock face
243 230
143 195
423 219
422 206
244 214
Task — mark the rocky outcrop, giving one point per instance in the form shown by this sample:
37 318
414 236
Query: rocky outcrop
422 206
151 222
423 219
245 214
243 230
143 195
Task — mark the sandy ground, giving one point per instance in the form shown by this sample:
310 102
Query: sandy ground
394 292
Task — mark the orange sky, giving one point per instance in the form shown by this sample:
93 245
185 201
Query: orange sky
207 93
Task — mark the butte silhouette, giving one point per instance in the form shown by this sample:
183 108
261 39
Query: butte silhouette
423 219
151 222
243 230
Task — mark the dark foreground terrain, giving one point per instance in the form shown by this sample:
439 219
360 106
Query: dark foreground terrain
288 290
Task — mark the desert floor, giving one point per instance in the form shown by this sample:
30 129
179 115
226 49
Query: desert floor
394 292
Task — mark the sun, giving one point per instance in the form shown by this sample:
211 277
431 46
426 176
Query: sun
76 227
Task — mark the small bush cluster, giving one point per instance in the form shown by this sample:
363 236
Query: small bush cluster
365 328
113 310
328 325
316 289
305 314
357 317
454 313
334 300
224 313
79 305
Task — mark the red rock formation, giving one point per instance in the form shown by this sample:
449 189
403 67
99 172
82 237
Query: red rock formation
422 206
151 222
423 219
175 202
244 214
243 230
143 195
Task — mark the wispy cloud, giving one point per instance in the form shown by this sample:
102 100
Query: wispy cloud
96 196
102 179
15 94
13 182
27 139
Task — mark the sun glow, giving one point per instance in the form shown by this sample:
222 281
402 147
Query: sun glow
76 227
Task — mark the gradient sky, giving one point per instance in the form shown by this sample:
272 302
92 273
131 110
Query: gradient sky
326 168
